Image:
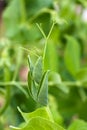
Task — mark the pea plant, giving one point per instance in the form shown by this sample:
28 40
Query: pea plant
54 92
42 118
38 89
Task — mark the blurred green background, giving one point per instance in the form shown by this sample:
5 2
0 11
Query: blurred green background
66 57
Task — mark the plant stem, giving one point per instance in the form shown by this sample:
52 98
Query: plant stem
44 53
50 30
41 30
18 62
7 100
29 51
7 96
13 83
23 11
46 38
70 84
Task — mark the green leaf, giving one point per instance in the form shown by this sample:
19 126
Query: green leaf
33 87
39 123
31 82
38 84
78 125
82 94
55 77
72 55
17 25
84 2
33 7
38 120
22 89
11 19
40 112
34 90
54 110
38 70
30 65
82 74
55 80
43 90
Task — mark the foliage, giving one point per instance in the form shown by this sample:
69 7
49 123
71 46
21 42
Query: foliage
39 119
53 35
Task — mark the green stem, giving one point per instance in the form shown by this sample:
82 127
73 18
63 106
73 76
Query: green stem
16 84
46 38
13 83
70 84
67 83
44 53
18 62
41 30
29 51
7 96
75 83
23 11
50 30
